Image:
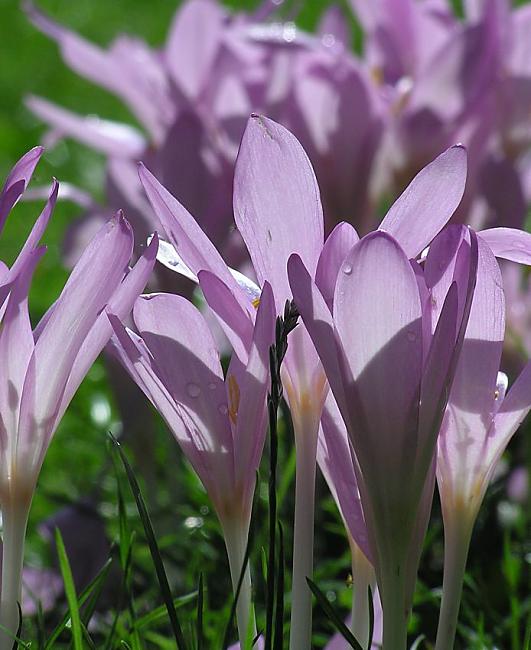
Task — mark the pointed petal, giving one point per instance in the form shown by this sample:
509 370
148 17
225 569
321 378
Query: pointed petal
508 243
36 232
185 353
335 461
16 349
378 317
115 69
428 202
201 446
236 322
111 138
445 349
120 304
91 284
509 417
193 43
319 324
17 181
472 399
250 429
335 249
276 203
185 234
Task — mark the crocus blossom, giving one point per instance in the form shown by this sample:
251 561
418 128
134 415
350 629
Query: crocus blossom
480 419
219 422
389 380
44 367
275 191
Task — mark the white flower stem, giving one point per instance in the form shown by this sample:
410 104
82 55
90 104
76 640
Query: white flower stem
306 429
394 605
14 521
236 532
363 577
457 534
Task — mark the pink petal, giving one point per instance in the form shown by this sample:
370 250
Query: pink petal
193 44
276 203
378 317
111 138
17 181
335 249
508 243
428 202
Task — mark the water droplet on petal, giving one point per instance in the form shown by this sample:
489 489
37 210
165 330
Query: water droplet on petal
212 385
347 269
411 335
193 390
223 409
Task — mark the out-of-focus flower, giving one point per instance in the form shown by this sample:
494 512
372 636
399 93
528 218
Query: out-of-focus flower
219 423
480 420
518 485
443 80
193 98
44 367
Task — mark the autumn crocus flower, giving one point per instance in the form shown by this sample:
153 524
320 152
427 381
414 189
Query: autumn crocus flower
389 379
219 422
43 368
480 420
278 212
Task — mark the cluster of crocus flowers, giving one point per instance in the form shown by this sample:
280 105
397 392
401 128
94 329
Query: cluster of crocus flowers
368 122
388 323
43 367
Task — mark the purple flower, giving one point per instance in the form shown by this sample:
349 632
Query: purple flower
481 417
44 367
193 98
219 422
389 375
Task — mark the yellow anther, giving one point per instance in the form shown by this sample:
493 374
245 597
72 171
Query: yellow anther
234 398
256 303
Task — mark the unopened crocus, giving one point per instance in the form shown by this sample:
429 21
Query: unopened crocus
480 420
219 422
44 367
389 379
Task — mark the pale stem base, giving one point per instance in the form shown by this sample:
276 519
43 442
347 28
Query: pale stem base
363 577
457 534
301 597
236 533
395 609
14 522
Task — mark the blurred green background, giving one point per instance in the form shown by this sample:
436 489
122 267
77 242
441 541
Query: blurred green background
78 462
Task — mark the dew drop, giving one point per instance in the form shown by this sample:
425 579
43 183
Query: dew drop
212 385
347 269
193 390
223 409
411 336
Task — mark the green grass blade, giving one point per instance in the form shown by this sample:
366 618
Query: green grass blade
199 627
278 640
160 613
83 597
70 591
371 618
153 547
332 615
